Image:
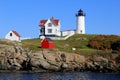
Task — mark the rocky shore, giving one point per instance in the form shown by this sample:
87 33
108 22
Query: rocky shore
17 58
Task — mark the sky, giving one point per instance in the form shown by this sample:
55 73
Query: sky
102 16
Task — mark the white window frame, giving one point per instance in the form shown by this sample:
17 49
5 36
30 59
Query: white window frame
49 24
49 30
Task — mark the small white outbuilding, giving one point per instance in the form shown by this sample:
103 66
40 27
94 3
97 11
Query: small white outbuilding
13 36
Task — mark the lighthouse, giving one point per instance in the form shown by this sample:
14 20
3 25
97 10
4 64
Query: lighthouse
80 22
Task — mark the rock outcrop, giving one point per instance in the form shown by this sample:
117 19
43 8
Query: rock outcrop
17 58
57 61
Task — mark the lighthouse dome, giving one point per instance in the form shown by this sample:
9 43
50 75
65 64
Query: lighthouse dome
80 13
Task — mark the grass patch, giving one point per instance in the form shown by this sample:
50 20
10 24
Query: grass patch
7 42
33 44
78 41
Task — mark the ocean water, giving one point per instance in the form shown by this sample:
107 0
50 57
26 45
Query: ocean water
59 76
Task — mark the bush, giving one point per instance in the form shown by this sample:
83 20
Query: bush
104 42
116 45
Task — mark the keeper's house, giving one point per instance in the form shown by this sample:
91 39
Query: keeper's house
50 27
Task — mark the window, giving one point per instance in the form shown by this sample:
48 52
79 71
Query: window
49 24
49 30
42 30
10 34
81 31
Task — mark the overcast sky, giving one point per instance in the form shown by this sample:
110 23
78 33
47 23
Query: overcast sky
102 16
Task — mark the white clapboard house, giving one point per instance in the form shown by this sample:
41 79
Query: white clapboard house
50 27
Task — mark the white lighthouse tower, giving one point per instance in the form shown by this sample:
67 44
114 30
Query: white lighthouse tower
80 24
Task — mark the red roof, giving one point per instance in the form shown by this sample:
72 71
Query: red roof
15 33
42 22
54 21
